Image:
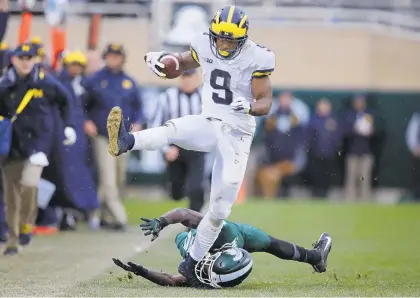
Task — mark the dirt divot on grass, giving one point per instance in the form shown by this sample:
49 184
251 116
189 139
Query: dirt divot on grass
52 265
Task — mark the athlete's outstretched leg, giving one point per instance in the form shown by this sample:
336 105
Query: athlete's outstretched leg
120 140
317 257
193 132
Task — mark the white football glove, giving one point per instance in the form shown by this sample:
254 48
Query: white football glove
70 135
241 105
39 159
152 61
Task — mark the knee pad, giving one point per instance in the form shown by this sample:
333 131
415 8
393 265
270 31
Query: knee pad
220 209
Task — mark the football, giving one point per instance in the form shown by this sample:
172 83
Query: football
172 66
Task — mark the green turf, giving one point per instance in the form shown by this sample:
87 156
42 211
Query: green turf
375 253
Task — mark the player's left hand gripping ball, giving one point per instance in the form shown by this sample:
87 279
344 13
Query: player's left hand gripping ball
152 61
241 105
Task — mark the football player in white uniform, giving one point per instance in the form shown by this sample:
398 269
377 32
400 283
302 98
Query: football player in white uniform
236 89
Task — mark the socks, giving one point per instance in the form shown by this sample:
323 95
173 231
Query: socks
152 139
207 232
289 251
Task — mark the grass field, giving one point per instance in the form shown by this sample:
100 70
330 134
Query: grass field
375 253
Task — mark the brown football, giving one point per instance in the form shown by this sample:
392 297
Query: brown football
172 65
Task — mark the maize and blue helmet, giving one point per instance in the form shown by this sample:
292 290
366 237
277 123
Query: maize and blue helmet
230 24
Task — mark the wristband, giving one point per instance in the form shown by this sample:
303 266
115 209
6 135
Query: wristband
163 222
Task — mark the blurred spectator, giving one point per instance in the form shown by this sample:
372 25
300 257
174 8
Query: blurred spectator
72 176
106 88
324 140
185 168
284 145
359 128
413 144
31 138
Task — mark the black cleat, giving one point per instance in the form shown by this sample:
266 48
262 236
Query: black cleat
187 269
323 247
119 137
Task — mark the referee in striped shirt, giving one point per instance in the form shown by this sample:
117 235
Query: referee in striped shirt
185 168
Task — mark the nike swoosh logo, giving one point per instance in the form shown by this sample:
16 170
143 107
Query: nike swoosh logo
328 243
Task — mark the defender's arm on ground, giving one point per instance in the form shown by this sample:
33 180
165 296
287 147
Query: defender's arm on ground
263 94
159 278
186 217
166 279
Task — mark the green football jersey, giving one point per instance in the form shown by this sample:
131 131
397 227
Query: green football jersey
232 234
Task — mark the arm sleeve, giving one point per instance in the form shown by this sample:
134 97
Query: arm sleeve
266 63
412 132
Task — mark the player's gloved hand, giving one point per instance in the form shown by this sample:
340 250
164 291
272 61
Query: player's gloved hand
70 135
131 267
241 105
153 226
152 61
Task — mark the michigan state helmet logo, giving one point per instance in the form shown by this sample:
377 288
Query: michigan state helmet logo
228 32
224 269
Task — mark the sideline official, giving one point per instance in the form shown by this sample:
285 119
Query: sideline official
31 96
185 168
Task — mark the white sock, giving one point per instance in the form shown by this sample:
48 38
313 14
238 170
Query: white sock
153 138
207 232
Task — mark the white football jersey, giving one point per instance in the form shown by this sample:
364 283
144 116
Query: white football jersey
225 80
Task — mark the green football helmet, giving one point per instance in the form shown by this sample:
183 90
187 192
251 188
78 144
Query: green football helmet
224 268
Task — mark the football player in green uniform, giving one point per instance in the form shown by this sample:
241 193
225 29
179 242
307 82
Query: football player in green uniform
232 235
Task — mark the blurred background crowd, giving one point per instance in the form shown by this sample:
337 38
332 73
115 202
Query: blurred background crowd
345 123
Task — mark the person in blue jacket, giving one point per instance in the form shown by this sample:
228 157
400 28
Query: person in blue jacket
34 96
69 170
111 86
324 136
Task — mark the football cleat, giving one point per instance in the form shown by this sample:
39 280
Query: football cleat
323 247
187 269
120 140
